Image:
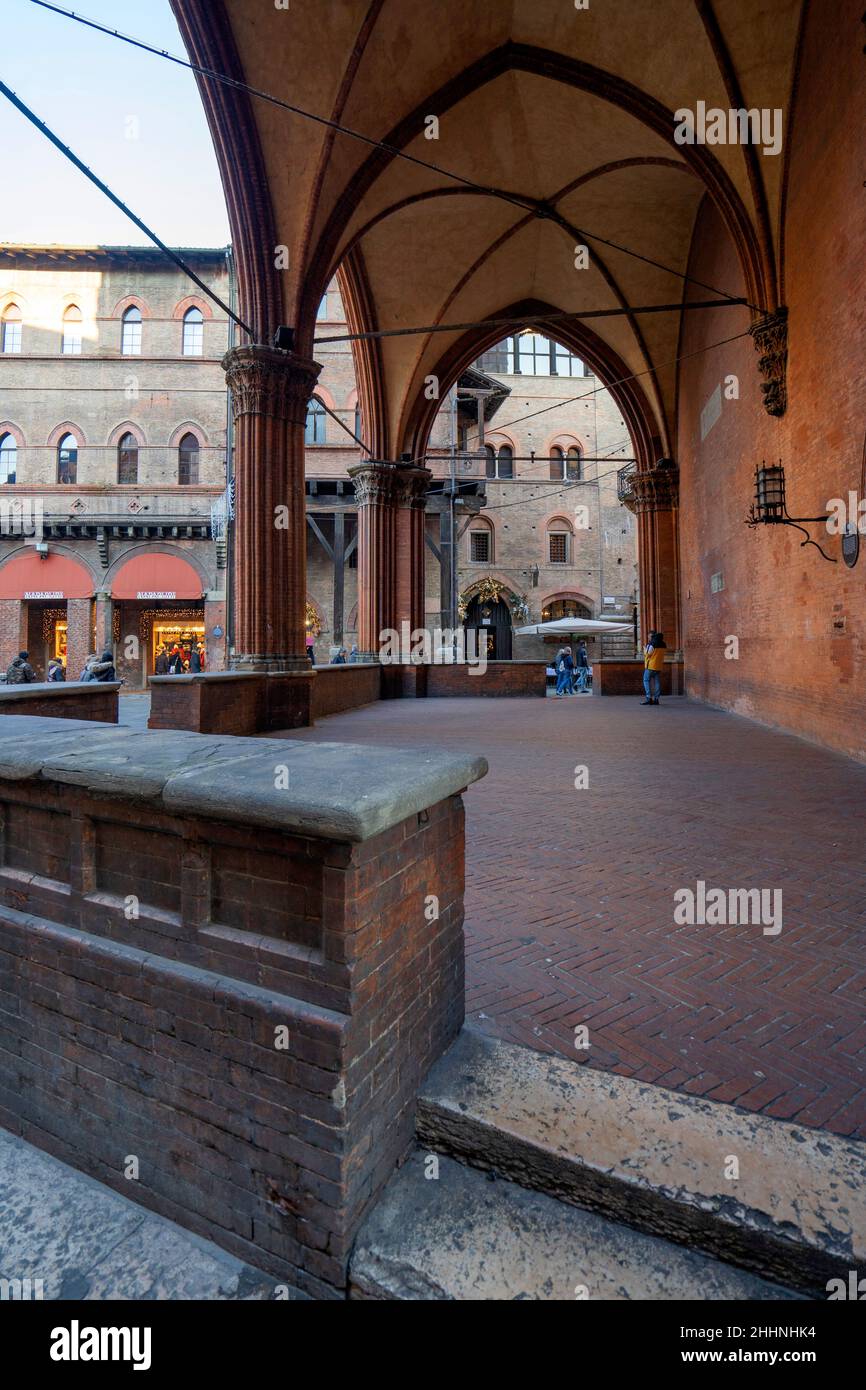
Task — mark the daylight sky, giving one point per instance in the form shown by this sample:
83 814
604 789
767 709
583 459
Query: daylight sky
91 90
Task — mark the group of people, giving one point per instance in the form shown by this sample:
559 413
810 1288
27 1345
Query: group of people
572 672
342 657
180 661
96 668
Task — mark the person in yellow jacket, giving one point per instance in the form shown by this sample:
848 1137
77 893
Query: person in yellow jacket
653 661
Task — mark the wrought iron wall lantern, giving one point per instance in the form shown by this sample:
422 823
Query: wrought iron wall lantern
770 508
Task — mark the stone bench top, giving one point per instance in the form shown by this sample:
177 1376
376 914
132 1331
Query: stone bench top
41 689
338 791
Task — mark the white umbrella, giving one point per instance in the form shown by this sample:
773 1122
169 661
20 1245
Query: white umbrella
572 627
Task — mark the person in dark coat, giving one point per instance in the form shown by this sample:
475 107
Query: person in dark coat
103 669
20 671
175 662
55 669
161 667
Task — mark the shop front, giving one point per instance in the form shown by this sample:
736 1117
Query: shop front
46 609
159 604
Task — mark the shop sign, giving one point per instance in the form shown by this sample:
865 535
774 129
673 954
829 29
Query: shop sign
45 594
156 595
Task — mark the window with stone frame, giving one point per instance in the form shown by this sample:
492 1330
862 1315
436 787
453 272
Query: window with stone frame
187 461
558 547
193 333
67 459
479 547
130 332
72 332
8 458
127 459
10 336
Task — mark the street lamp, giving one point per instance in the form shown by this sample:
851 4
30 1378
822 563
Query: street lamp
771 509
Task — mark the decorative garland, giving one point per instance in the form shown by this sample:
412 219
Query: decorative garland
147 617
488 591
519 604
50 616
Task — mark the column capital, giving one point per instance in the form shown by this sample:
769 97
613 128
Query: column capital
655 489
264 381
412 485
375 482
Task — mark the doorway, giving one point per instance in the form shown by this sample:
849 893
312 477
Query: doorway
491 620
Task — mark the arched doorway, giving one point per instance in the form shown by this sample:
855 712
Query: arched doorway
490 619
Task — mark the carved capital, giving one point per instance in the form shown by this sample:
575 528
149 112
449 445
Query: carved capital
655 489
770 336
412 485
375 483
266 382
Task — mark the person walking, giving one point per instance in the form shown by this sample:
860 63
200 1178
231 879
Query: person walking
161 666
194 661
564 669
55 669
175 662
653 661
582 667
20 671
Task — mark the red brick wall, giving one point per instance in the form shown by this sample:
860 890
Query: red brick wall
800 622
339 688
154 1035
501 678
92 701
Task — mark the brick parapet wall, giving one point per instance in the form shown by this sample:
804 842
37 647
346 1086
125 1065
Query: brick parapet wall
151 1033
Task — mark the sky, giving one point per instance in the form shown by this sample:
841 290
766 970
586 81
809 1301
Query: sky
134 119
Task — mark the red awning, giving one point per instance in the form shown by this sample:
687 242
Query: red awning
155 576
28 576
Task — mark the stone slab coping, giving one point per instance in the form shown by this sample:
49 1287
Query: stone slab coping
336 791
585 1126
57 689
211 677
348 666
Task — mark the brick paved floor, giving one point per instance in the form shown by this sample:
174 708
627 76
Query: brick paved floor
570 909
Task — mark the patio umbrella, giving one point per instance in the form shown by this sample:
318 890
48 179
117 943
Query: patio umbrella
572 627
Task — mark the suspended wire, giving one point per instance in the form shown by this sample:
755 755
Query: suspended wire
526 204
513 322
103 188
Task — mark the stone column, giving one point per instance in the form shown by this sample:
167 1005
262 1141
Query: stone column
376 489
270 391
411 500
103 625
654 499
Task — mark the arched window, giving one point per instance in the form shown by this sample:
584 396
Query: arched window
322 311
130 332
11 327
557 464
193 333
127 459
573 464
490 464
187 461
559 539
314 431
8 458
505 462
72 331
480 542
67 459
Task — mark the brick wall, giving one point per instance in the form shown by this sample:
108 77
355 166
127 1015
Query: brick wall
800 623
339 688
153 1035
94 701
517 678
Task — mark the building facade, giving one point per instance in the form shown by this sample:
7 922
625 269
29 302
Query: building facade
529 497
113 440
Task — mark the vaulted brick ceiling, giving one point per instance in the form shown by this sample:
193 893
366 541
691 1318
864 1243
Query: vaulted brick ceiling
573 108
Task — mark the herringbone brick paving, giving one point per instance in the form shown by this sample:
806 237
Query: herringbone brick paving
570 907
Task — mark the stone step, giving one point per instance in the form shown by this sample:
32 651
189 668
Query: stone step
459 1235
654 1159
